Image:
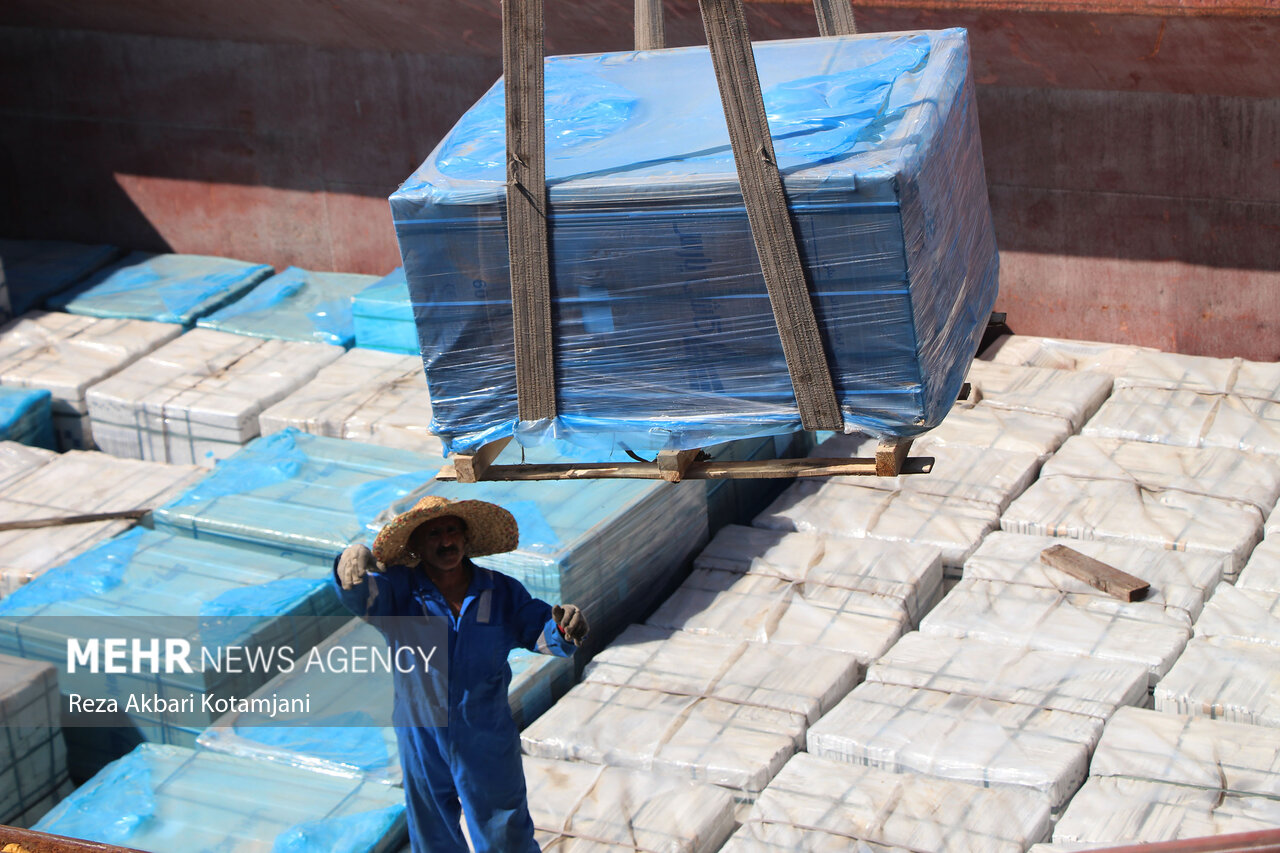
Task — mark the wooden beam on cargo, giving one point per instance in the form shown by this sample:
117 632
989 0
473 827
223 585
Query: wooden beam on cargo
650 28
60 520
835 18
1095 573
14 840
889 456
673 463
471 468
709 470
766 204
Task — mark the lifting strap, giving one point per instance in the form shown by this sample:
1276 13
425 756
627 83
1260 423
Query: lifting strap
835 18
650 29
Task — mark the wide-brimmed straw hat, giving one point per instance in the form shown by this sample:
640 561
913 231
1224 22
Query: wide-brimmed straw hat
490 528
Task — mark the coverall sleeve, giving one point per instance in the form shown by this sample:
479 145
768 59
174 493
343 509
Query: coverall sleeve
369 599
535 629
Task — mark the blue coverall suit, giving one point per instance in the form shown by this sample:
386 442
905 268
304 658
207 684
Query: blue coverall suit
475 758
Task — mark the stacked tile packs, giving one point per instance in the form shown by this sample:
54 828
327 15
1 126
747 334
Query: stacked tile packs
1062 354
33 756
197 399
33 270
26 416
66 355
383 316
296 305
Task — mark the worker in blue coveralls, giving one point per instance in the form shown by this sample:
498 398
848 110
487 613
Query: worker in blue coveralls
457 739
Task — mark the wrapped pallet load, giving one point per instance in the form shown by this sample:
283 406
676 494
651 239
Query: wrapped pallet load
383 316
663 334
1062 354
33 270
296 305
1225 678
26 416
33 756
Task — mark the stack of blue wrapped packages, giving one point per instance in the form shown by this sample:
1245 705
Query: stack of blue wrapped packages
168 799
663 334
296 305
33 270
165 288
26 416
384 316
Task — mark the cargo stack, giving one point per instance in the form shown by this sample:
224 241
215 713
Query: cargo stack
1062 353
33 756
383 316
296 305
26 416
33 270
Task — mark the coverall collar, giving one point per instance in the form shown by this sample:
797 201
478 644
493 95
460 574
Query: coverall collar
481 580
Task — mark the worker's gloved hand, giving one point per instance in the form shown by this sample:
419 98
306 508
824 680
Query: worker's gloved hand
356 562
571 622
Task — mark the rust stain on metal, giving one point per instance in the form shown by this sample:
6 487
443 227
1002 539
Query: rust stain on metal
1233 8
1159 40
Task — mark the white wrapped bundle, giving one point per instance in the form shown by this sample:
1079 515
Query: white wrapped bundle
1177 578
981 425
1042 391
1202 374
1126 512
910 573
1225 679
1273 522
916 812
953 526
365 395
1081 685
803 680
18 460
1062 354
738 746
1183 750
772 610
959 471
779 837
77 483
963 738
1247 615
1118 811
1263 569
1189 419
1031 617
581 807
33 756
197 399
67 354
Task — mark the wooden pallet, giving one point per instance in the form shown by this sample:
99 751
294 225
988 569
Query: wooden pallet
676 465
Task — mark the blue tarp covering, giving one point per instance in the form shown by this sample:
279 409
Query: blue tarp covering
384 316
36 269
26 416
664 336
296 305
164 288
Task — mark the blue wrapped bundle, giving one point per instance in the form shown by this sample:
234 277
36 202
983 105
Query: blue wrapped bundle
26 416
34 270
296 305
173 800
164 288
384 316
663 332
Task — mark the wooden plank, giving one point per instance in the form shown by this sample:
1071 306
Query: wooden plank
673 463
766 204
650 28
765 469
472 468
522 57
1095 573
889 456
835 18
58 521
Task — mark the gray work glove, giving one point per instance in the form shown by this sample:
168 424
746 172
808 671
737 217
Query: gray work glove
571 622
356 562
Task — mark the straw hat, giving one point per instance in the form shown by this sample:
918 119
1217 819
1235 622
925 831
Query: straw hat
490 528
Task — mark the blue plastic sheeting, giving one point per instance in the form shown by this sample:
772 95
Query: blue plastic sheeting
296 305
384 316
164 288
37 269
173 800
663 332
26 416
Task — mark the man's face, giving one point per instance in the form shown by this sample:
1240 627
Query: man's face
440 543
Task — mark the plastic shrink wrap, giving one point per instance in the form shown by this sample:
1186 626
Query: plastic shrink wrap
168 799
67 355
26 416
197 399
77 483
1030 617
1225 679
1172 371
1262 572
915 811
165 288
364 395
909 573
771 610
1247 615
295 305
1177 578
964 738
578 807
1062 354
383 315
33 270
1074 396
979 425
778 837
1190 419
664 336
33 757
1119 811
970 667
18 460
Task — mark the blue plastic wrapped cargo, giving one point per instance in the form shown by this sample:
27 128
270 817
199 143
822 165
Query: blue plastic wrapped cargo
26 416
168 799
34 270
384 316
296 305
163 288
663 332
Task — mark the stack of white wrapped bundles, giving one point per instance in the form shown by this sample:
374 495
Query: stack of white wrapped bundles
77 483
1177 578
1162 777
1072 395
18 460
970 739
365 395
1263 569
820 804
67 355
1195 401
700 708
971 424
1062 354
197 399
33 757
1209 501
